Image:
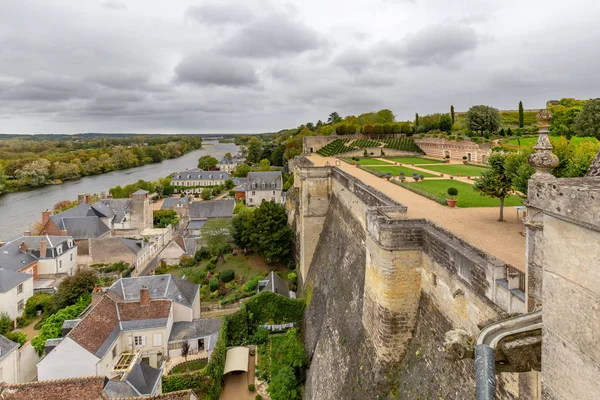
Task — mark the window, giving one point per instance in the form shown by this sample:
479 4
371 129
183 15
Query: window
273 199
175 346
114 352
20 289
71 257
264 185
146 360
273 193
139 340
60 264
157 339
253 193
59 249
21 305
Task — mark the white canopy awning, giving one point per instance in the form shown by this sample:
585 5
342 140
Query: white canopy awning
237 360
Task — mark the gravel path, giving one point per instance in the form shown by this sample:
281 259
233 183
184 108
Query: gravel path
479 226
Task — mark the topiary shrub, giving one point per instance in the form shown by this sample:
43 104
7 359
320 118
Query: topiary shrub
251 387
227 276
452 192
258 397
213 284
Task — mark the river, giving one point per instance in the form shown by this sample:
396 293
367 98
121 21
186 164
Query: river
20 210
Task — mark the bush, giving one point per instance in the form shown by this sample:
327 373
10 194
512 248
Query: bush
213 284
6 324
194 274
261 336
252 284
258 397
452 191
268 306
227 276
17 337
231 193
251 387
202 254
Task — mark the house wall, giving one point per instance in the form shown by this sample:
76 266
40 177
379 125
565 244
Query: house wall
51 266
149 350
110 250
9 300
226 167
182 313
255 197
67 360
27 362
9 368
456 150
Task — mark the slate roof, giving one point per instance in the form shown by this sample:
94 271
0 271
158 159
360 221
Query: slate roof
227 160
86 388
199 328
161 287
196 224
9 279
141 191
144 378
200 175
171 202
134 245
212 209
118 389
85 227
272 180
12 258
274 284
6 346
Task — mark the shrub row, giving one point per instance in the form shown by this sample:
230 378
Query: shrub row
406 144
336 147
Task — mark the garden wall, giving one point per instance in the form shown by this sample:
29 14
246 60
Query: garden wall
440 147
377 152
311 144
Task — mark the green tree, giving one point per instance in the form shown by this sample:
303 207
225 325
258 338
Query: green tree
587 123
207 163
483 119
277 156
2 180
228 155
269 235
242 170
368 130
417 120
334 118
495 182
242 228
254 150
6 323
283 385
452 114
264 165
341 129
206 194
34 174
72 288
445 123
521 115
216 235
229 184
519 170
378 130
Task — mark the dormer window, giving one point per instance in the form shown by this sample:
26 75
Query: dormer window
273 184
59 249
178 176
210 176
264 185
221 176
253 185
189 176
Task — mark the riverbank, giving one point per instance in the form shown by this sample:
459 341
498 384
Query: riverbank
20 210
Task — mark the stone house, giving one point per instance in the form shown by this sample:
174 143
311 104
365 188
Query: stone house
227 165
107 217
110 250
15 288
194 180
202 211
179 204
264 186
134 320
8 361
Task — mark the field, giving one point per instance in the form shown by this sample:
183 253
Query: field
413 160
453 169
467 197
395 170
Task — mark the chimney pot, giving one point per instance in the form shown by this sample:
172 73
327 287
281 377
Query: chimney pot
27 233
81 198
144 296
64 232
2 243
23 247
46 216
43 247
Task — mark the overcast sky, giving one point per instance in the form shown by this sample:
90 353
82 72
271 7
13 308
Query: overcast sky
230 66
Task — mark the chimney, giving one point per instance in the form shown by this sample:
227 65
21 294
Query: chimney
46 216
81 198
144 296
87 198
63 232
43 247
2 243
23 247
27 233
109 196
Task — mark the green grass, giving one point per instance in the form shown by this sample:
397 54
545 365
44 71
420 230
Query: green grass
395 170
531 141
367 161
413 160
195 365
453 169
467 197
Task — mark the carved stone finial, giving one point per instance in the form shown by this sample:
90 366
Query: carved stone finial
543 160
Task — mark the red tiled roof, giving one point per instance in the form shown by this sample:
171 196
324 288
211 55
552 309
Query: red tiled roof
134 311
87 388
96 326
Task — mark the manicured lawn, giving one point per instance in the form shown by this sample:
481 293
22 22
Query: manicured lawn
453 169
395 170
467 197
367 161
413 160
195 365
531 141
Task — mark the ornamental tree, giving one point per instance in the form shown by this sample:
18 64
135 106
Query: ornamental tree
495 182
483 119
587 123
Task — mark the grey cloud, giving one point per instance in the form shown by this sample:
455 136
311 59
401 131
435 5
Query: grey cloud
114 5
46 87
275 35
206 69
354 61
220 13
435 45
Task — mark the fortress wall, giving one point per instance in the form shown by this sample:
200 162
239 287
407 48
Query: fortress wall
456 150
378 285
